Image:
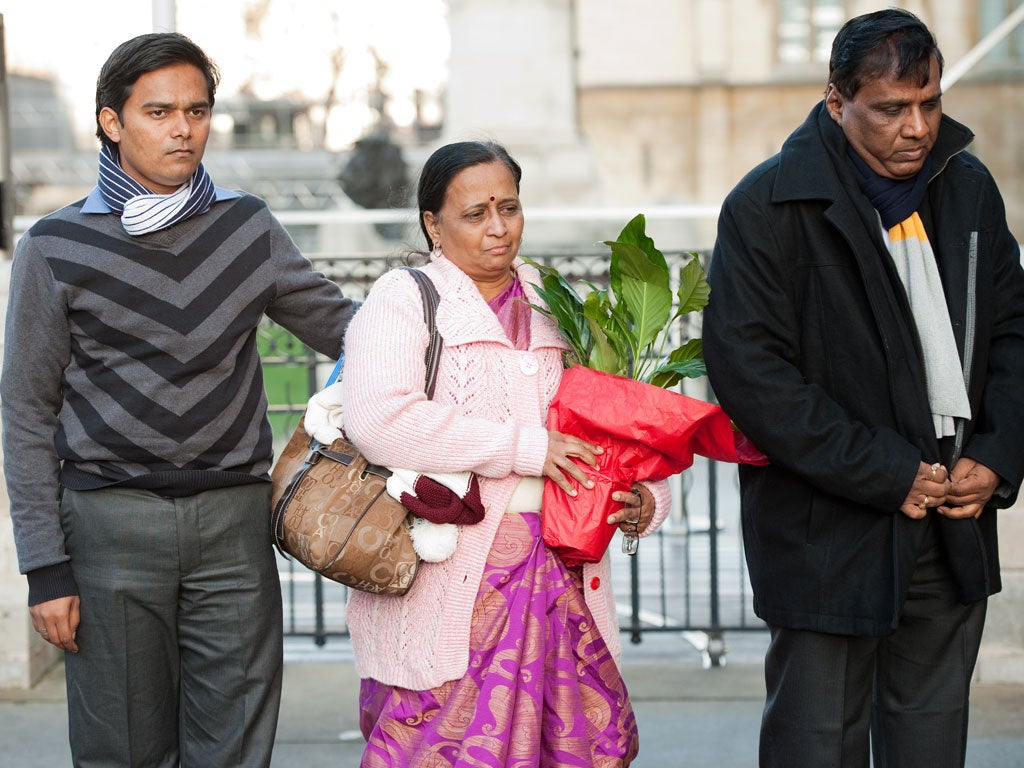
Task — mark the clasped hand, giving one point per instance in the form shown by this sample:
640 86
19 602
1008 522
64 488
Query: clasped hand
962 493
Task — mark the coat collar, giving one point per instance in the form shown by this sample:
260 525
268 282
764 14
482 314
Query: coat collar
819 143
464 317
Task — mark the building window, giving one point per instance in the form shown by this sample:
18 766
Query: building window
806 29
991 13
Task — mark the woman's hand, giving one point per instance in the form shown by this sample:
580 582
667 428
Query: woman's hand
559 464
638 509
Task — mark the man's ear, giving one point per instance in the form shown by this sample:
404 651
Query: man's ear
834 103
110 123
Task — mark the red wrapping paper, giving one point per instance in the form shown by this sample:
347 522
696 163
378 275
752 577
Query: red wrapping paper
647 433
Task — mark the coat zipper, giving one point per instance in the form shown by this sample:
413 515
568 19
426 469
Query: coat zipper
970 323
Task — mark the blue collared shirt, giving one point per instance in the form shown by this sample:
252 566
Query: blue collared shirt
94 202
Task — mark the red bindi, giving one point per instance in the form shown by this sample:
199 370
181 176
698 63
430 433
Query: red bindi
492 198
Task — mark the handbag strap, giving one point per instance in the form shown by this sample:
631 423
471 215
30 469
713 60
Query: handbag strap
430 301
433 354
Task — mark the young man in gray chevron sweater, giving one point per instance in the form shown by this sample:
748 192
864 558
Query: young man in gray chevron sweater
135 435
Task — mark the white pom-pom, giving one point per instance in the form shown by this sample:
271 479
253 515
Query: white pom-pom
323 418
433 542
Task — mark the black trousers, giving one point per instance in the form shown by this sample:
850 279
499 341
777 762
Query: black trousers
909 691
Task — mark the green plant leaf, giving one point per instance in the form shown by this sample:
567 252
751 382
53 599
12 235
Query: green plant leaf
639 279
669 374
579 343
694 291
608 333
635 233
643 287
565 307
686 361
602 354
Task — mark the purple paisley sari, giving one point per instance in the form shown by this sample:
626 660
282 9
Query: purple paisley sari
542 688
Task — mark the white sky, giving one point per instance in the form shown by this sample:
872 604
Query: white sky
70 39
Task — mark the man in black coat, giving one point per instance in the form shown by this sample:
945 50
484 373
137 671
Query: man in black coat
866 331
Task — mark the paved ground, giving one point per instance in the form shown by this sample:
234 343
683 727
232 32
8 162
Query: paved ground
689 717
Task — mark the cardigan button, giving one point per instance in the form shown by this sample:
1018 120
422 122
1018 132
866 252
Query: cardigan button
595 582
528 364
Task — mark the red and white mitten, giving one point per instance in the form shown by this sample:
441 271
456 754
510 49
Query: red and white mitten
440 502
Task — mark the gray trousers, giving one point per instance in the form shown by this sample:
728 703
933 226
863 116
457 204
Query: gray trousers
180 641
909 691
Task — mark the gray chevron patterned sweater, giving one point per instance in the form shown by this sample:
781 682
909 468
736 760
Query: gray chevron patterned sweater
133 360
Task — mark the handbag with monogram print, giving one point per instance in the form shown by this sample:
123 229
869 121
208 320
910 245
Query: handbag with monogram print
331 509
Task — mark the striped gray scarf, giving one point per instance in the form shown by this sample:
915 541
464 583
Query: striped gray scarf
143 211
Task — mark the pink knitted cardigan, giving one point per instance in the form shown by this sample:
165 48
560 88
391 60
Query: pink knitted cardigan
488 415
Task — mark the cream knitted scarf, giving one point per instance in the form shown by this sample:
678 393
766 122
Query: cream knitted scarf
912 254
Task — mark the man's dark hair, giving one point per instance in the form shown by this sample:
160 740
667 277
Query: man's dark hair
890 42
142 54
446 163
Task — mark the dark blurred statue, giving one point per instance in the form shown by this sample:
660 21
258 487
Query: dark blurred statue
376 176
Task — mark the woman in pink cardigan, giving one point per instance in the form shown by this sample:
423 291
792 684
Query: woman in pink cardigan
499 655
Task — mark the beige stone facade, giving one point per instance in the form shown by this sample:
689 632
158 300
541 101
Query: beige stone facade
679 99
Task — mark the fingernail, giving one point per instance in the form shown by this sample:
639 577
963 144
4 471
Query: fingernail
589 484
611 520
599 449
572 491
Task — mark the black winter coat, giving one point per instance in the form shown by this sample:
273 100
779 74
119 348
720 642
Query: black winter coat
811 348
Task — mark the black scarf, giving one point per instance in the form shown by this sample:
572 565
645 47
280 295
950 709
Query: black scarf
894 199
